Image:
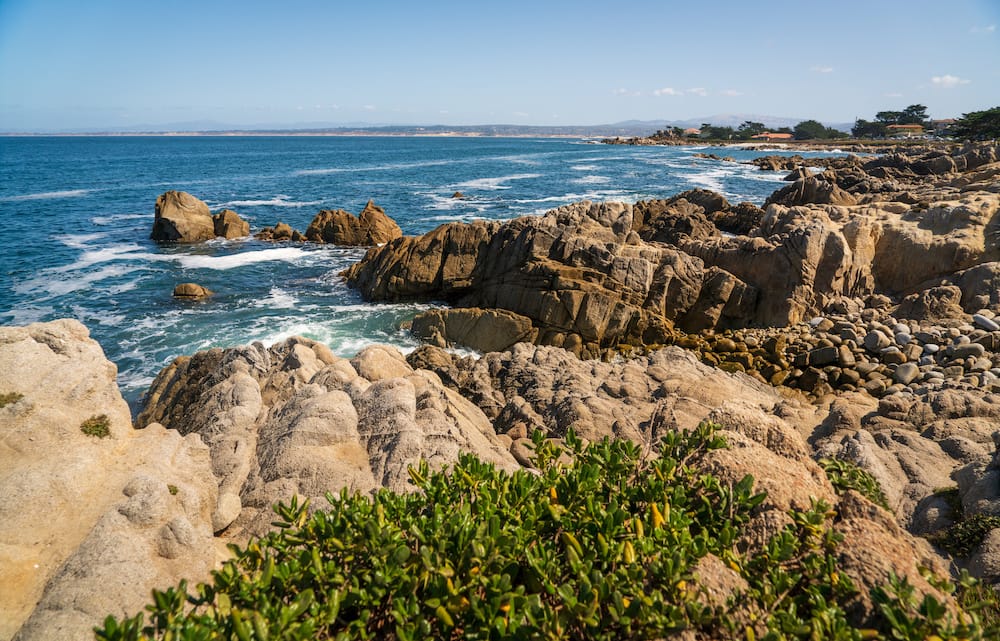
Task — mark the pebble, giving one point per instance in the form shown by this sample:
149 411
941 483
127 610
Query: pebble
901 328
875 340
931 348
985 323
906 373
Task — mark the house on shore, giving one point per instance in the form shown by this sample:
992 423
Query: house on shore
769 136
904 131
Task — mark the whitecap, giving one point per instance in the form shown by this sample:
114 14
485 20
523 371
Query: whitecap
107 220
493 184
48 195
280 200
277 298
65 285
78 241
591 180
385 167
286 254
584 167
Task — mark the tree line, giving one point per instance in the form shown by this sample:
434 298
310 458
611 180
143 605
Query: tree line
975 125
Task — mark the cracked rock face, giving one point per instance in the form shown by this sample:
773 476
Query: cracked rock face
295 419
590 276
88 524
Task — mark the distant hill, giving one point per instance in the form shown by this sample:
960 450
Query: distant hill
625 128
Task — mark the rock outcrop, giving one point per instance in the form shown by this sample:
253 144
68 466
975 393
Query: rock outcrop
531 387
90 521
191 291
182 218
228 224
294 419
593 276
339 227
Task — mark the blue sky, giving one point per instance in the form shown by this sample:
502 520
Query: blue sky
67 64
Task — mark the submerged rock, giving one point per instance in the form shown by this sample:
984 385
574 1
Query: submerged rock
192 291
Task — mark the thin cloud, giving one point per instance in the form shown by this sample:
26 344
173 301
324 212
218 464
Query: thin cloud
521 114
821 69
369 107
626 92
698 91
731 92
987 29
948 81
667 91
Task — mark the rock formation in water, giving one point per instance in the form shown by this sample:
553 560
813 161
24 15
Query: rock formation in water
339 227
593 276
182 218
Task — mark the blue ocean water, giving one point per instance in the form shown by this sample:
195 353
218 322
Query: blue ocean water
77 212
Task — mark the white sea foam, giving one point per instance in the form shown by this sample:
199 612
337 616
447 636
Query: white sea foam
281 200
386 167
79 241
66 284
591 180
277 298
286 254
114 218
493 184
584 167
25 315
48 195
711 178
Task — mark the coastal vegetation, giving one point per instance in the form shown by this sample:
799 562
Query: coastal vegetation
9 398
99 426
600 542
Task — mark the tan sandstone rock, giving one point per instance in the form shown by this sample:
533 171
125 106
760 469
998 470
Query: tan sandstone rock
339 227
88 524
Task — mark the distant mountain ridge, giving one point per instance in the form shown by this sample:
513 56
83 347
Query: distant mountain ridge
623 128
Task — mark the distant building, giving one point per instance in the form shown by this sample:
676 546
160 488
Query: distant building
904 131
767 135
691 131
941 127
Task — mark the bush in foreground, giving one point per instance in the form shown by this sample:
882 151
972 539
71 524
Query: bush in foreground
602 547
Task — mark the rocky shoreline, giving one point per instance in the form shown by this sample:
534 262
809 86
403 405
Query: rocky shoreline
855 316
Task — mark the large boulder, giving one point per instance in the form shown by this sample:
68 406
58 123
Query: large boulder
228 224
811 190
339 227
484 330
294 419
182 218
580 273
93 514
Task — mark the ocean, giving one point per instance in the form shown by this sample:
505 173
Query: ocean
76 213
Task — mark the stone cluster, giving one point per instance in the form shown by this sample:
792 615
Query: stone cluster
866 351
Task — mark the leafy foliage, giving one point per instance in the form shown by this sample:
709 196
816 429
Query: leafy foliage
910 617
978 125
99 426
962 538
600 542
9 398
845 475
815 130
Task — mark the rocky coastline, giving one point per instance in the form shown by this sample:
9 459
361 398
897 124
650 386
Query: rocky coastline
856 316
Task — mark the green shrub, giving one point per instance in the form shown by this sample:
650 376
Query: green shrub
9 398
99 426
845 475
599 543
962 538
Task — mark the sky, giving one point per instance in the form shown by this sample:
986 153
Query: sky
101 64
